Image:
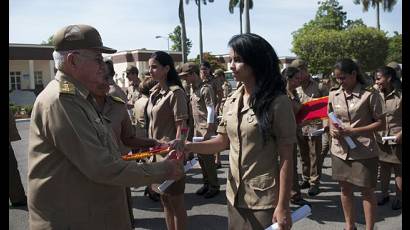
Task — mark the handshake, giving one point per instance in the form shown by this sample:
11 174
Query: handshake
176 159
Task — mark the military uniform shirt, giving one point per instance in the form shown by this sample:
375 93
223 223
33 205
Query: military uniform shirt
165 108
253 176
393 106
201 97
76 177
361 108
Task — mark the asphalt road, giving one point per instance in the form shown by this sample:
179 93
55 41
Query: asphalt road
208 214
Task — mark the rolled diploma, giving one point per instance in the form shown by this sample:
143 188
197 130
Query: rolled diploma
162 187
388 138
348 139
297 215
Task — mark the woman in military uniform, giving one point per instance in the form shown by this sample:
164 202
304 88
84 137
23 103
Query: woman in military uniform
259 128
391 155
360 111
167 112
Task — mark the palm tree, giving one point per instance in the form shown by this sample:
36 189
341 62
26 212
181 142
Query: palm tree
198 3
181 15
240 3
387 5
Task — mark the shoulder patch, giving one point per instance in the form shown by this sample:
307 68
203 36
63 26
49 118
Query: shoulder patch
117 99
67 87
369 88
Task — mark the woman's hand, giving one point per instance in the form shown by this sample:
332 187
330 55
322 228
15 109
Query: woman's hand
178 145
282 217
347 131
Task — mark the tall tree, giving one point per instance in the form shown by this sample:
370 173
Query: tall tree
48 42
181 15
198 3
386 4
240 4
175 37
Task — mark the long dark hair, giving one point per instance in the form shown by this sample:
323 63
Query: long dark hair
347 65
390 72
261 57
166 60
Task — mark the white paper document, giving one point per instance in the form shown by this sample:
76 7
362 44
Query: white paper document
297 215
389 138
189 164
348 139
317 132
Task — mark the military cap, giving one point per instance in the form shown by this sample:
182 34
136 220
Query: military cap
298 63
219 71
394 65
188 68
132 69
74 37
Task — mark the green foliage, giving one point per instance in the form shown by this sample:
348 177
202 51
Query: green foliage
175 37
215 64
48 42
321 48
21 110
395 49
330 36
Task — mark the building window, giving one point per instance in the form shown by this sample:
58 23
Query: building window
15 80
38 78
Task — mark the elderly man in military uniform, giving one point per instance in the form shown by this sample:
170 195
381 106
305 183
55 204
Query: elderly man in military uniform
76 178
310 146
203 111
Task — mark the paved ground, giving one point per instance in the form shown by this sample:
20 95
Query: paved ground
212 214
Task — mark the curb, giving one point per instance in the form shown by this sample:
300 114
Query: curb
22 120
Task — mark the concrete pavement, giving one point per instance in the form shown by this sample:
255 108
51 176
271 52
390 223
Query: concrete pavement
209 214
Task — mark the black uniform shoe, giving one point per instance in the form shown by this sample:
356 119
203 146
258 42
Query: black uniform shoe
202 190
304 184
314 190
300 202
211 193
19 204
383 200
396 205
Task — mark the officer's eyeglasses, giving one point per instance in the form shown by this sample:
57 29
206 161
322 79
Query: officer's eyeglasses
96 57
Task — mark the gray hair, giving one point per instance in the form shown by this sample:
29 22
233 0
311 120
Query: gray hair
59 58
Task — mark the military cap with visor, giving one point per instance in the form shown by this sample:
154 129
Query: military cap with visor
80 36
188 68
299 63
132 69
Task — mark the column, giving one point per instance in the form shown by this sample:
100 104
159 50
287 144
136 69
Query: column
31 73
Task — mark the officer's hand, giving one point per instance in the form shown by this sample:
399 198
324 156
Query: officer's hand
282 217
346 131
178 145
176 169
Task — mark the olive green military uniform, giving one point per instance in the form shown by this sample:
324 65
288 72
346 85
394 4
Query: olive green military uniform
16 189
139 116
165 107
116 91
76 178
362 107
116 111
253 176
310 146
391 153
295 193
226 90
202 96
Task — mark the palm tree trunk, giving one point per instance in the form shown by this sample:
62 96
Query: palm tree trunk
183 31
247 20
240 18
200 31
378 15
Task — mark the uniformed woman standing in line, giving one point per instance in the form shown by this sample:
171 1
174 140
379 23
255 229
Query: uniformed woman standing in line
259 127
167 112
391 155
361 112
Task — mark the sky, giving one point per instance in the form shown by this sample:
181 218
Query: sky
133 24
